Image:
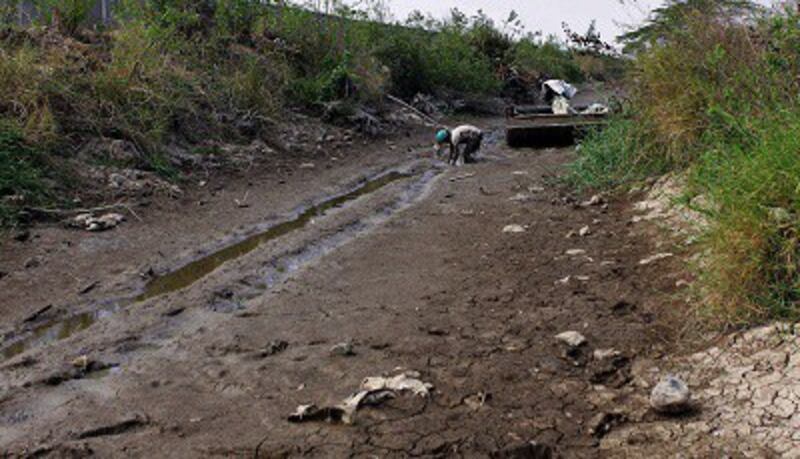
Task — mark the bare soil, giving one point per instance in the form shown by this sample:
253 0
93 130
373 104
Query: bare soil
417 274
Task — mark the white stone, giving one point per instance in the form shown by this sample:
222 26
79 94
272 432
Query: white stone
655 258
572 338
671 396
514 229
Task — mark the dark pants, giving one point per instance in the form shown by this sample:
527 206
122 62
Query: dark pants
471 147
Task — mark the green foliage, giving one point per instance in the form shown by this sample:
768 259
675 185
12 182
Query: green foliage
712 95
547 57
614 156
71 14
20 173
754 209
239 17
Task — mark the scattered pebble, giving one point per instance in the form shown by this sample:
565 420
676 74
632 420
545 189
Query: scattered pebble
595 200
655 258
572 338
605 354
343 350
514 229
521 197
585 231
575 252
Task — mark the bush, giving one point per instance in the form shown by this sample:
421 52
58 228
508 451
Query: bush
614 156
20 174
547 58
712 95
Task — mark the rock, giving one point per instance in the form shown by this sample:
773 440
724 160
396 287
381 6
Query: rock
655 258
585 231
273 348
575 252
605 354
595 200
564 281
671 396
307 166
602 423
514 229
95 224
521 197
81 362
572 338
343 350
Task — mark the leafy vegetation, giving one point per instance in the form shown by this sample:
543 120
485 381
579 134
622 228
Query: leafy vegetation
20 174
195 73
713 94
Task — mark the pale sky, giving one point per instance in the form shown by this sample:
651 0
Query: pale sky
544 15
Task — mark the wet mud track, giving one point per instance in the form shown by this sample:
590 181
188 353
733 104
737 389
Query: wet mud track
417 275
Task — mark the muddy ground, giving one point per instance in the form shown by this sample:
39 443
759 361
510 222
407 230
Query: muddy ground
107 354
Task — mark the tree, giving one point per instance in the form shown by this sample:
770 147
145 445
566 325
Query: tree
673 17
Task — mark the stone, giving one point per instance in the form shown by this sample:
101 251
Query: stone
514 229
671 396
595 200
572 338
655 258
575 252
605 354
585 231
520 197
343 350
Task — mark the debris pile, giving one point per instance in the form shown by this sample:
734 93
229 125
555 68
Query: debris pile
91 223
374 392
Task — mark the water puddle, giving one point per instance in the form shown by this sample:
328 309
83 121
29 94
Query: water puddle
196 270
186 276
53 331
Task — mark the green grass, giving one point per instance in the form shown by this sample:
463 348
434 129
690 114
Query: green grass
21 175
712 98
614 156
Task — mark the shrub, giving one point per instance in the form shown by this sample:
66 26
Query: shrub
547 58
712 94
20 173
614 156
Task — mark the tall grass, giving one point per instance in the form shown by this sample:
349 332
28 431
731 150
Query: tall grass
715 95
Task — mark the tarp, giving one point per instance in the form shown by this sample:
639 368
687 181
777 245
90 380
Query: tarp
561 87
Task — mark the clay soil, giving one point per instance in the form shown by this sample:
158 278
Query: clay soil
418 275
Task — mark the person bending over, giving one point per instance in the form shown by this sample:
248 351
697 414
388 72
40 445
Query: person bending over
464 141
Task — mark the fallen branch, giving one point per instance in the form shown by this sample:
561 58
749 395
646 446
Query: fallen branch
399 101
68 212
